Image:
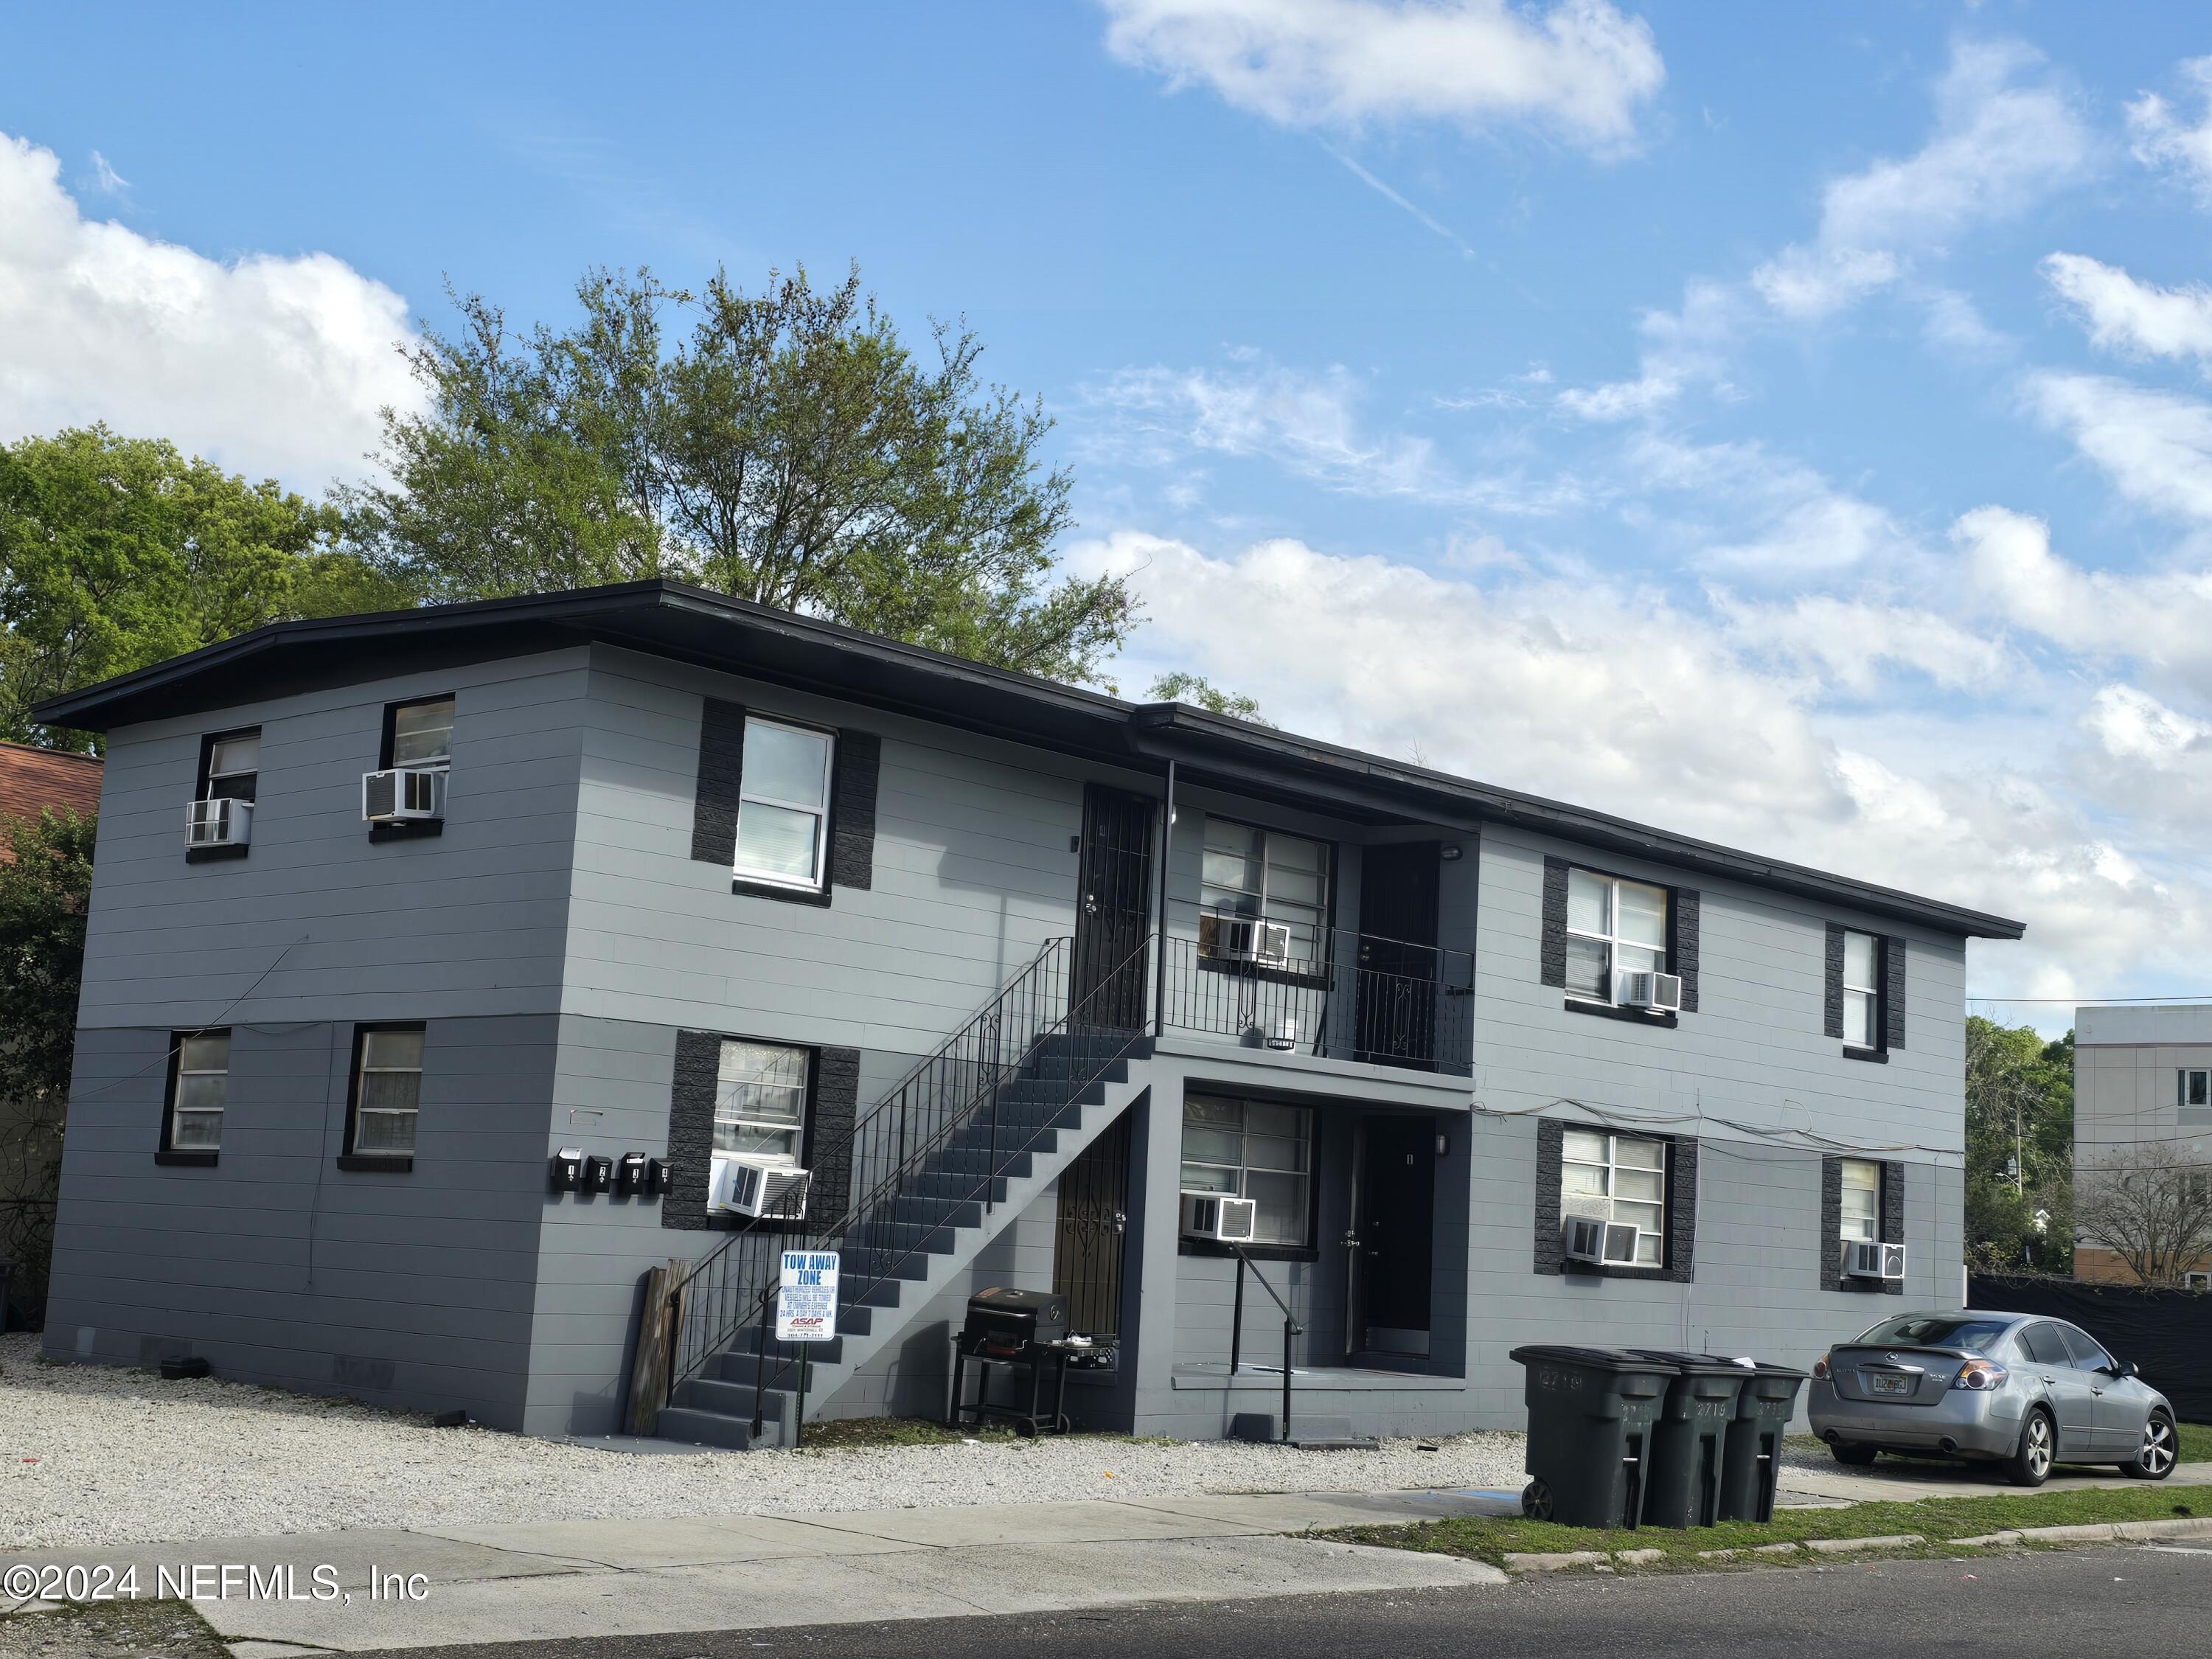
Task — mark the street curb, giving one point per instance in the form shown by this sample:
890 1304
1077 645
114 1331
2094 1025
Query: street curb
2107 1532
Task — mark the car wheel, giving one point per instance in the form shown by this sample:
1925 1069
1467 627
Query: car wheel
1536 1501
1849 1451
2155 1460
2031 1460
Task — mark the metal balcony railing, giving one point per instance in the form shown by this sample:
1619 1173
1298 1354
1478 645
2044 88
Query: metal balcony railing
1331 992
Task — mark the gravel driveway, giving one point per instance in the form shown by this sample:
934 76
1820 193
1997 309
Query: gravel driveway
91 1454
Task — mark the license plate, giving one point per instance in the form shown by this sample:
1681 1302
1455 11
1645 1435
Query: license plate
1878 1383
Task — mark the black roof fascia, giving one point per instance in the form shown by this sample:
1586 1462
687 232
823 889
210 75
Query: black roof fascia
671 619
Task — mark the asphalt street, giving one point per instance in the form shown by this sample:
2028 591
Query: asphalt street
2045 1606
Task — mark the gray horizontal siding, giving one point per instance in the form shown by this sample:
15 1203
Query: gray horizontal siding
279 1267
316 922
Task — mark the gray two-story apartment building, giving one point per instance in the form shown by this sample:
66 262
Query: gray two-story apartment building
451 972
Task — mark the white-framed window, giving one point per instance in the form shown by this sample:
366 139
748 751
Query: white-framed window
234 766
423 736
783 805
1614 927
1862 1201
1266 875
1618 1178
1253 1149
2195 1093
200 1091
1862 1021
759 1100
387 1091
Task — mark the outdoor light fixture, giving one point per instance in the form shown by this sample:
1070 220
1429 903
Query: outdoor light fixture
1287 1035
1443 1145
1451 852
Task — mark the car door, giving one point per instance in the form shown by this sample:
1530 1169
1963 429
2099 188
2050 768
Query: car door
2079 1435
2122 1403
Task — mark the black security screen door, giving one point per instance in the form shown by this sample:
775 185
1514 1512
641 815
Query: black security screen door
1397 994
1088 1236
1113 914
1397 1215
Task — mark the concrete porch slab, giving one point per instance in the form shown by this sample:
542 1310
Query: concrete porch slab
1095 1521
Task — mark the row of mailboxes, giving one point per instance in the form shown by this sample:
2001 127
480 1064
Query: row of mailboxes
631 1175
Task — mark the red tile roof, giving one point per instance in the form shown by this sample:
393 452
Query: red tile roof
31 778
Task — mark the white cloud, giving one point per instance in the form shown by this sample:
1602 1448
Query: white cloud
2155 446
2166 142
110 180
270 365
2133 725
1999 148
1308 423
1682 348
1578 66
1604 694
2139 319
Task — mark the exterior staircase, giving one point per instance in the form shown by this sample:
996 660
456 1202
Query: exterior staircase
938 1169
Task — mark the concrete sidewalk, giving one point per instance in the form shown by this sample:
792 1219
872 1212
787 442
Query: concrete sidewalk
631 1578
1888 1481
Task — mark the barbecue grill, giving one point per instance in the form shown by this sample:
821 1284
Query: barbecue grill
1020 1330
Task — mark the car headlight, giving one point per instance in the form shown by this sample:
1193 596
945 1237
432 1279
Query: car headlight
1979 1376
1821 1372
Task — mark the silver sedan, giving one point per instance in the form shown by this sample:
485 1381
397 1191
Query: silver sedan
2016 1390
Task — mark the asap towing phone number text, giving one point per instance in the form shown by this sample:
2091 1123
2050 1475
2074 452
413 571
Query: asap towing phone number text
205 1581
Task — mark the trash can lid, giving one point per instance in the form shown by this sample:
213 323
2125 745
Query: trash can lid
1716 1362
1608 1359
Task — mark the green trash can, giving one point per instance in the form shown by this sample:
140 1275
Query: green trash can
1591 1412
1689 1444
1753 1466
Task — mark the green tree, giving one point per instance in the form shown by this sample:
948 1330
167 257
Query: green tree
117 552
789 449
2020 1148
1182 686
45 880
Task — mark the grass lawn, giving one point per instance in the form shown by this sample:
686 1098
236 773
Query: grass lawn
1935 1519
2195 1442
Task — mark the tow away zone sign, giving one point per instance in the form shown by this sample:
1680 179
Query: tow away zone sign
806 1297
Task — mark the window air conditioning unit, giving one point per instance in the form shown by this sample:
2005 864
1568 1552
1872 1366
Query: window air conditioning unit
221 822
1216 1216
1244 938
403 795
1600 1243
2197 1281
745 1186
1881 1261
1662 993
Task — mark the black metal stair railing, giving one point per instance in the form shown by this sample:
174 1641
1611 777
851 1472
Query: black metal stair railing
944 1137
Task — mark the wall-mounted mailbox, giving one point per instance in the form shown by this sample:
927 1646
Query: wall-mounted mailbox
659 1177
599 1174
629 1175
569 1170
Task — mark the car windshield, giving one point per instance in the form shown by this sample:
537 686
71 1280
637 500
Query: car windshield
1941 1331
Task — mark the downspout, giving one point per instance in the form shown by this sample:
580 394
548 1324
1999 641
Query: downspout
1160 944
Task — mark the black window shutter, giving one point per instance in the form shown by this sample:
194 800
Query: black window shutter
1892 993
1551 1151
1832 1002
1682 943
1831 1224
1683 1209
721 766
1553 959
691 1129
1893 1216
853 817
829 1133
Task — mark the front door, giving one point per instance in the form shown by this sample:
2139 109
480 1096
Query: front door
1395 990
1395 1224
1091 1230
1113 916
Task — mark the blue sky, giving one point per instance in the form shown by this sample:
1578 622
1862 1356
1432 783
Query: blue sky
1786 424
